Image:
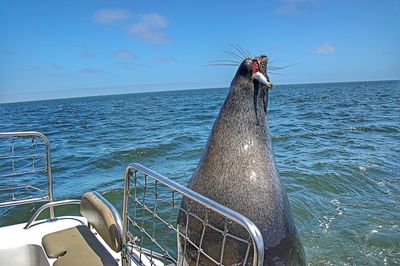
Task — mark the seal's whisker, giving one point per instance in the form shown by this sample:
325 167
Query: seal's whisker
238 50
230 53
274 73
236 61
240 56
273 61
233 65
242 50
274 68
225 60
279 68
246 52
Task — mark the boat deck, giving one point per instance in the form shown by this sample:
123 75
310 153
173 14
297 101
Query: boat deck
17 242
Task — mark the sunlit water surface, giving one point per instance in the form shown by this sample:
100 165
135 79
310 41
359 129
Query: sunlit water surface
337 148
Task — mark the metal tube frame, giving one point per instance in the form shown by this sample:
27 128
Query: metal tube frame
50 205
48 168
258 242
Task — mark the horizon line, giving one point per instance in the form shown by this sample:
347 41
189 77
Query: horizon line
175 90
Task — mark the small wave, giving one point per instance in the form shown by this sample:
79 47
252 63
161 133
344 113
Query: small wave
186 139
382 238
326 222
335 202
203 117
188 154
280 137
75 157
362 168
361 128
372 128
132 155
142 152
299 100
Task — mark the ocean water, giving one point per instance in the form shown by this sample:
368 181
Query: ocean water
337 148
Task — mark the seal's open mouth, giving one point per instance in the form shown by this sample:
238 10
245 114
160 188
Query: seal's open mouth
257 75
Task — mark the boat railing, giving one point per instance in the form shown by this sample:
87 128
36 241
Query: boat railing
48 206
150 230
25 169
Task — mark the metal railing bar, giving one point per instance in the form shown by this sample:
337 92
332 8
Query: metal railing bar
34 188
24 201
125 213
238 238
247 254
23 134
23 173
50 205
37 155
157 255
17 187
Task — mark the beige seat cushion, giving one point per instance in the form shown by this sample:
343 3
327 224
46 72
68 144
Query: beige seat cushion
76 246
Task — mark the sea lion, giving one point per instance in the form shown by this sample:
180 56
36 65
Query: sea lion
238 170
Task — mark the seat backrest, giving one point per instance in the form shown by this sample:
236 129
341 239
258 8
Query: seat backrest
104 218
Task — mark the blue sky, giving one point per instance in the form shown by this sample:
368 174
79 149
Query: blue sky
58 49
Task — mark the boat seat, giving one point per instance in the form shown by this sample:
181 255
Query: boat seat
78 245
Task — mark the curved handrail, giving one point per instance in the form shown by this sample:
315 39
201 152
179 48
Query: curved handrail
49 205
258 242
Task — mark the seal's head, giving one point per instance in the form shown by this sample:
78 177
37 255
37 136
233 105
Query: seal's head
254 72
251 82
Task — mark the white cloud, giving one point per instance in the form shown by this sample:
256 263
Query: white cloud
150 28
325 48
124 54
107 16
290 6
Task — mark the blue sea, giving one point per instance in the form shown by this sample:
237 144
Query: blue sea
337 148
